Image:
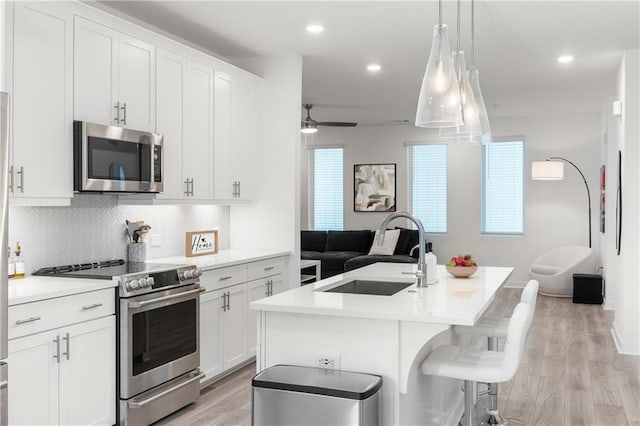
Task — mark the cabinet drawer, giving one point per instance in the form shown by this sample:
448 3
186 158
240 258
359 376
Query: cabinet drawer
48 314
266 268
223 277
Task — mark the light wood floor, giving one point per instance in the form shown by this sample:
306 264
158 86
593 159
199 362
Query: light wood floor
570 374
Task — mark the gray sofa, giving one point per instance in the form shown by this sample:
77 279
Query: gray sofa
341 251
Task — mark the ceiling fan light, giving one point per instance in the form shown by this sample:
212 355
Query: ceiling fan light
469 131
309 127
438 104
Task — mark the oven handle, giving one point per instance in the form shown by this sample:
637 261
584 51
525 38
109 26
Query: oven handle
138 404
135 305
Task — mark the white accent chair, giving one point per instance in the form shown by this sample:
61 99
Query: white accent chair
494 328
554 269
473 365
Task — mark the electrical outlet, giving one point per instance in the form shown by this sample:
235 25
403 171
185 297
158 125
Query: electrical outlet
156 240
327 361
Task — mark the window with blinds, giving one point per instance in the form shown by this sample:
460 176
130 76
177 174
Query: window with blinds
503 188
328 189
428 186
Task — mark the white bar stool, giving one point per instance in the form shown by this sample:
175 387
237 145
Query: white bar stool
494 328
473 365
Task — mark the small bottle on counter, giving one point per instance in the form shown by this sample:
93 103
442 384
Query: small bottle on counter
11 264
20 266
432 265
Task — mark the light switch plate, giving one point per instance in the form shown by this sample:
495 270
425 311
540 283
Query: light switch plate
156 240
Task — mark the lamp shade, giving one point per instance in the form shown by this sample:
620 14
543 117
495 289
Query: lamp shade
439 102
547 170
309 127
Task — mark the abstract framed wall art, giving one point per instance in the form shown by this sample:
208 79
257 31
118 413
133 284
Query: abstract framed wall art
374 187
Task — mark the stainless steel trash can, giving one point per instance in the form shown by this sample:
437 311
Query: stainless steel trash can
287 395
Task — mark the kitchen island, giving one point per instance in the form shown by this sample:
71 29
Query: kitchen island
385 335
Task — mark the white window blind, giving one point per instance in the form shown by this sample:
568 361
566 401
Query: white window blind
428 186
503 188
328 189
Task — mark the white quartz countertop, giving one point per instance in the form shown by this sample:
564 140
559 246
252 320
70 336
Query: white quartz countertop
449 301
35 288
223 258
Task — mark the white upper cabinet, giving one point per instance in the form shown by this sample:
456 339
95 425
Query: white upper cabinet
234 126
40 171
114 77
184 108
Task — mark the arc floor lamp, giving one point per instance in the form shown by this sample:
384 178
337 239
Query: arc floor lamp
554 170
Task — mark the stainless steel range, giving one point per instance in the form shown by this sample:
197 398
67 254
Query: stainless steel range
158 335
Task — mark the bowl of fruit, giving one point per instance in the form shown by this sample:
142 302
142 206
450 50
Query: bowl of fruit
462 266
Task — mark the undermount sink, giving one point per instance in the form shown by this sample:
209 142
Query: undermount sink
376 288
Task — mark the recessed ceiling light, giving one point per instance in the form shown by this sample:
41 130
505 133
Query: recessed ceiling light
315 28
374 67
565 59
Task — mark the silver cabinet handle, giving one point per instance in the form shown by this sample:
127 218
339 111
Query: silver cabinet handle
66 339
192 187
117 117
95 305
21 173
186 184
268 268
3 384
57 354
24 321
224 302
238 189
228 301
124 113
227 277
11 179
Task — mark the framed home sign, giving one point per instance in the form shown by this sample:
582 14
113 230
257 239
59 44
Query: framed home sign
200 243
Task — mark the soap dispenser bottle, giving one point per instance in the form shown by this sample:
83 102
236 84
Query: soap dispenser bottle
20 266
432 264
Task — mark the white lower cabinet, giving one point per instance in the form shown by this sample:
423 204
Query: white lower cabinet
227 327
64 376
256 290
223 327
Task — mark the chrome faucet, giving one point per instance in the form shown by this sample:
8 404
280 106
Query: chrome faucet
421 274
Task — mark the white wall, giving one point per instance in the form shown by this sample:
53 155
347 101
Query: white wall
93 229
272 220
622 270
555 212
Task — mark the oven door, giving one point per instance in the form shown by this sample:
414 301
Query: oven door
159 338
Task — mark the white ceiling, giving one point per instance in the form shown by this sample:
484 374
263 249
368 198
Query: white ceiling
517 43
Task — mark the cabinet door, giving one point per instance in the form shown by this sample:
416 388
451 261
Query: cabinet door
170 78
278 284
197 144
210 333
256 290
33 380
234 334
136 83
223 181
42 101
88 372
243 125
95 73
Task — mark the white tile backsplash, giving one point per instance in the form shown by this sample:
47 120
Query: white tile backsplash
93 228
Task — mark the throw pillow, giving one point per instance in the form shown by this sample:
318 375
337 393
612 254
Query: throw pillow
388 245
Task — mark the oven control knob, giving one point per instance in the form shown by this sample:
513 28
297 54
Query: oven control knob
187 275
150 281
197 273
132 285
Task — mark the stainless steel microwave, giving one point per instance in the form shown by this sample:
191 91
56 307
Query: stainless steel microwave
114 159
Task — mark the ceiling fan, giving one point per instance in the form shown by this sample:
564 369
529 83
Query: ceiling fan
309 125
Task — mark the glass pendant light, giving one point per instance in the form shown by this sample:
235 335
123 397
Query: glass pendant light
474 81
439 102
469 131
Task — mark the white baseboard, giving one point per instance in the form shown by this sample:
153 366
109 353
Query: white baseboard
608 306
622 348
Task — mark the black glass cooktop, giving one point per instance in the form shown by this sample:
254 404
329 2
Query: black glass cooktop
103 270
